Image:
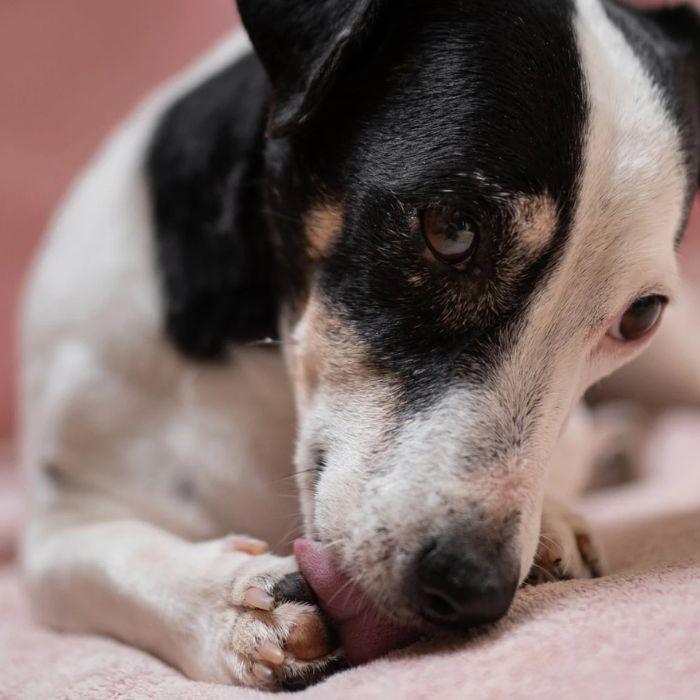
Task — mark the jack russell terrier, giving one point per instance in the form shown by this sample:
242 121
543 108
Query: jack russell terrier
449 219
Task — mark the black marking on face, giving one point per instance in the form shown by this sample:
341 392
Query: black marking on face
667 43
474 104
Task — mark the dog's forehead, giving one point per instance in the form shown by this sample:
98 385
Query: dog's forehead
499 98
490 91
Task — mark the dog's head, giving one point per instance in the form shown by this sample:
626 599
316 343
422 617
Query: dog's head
476 206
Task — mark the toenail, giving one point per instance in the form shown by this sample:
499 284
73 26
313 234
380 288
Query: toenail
271 652
263 673
249 545
257 598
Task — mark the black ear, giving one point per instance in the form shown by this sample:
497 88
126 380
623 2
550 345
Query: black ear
679 29
304 46
214 256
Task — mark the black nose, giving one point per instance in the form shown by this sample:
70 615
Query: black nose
458 584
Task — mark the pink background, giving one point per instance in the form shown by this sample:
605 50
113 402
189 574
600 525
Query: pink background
70 70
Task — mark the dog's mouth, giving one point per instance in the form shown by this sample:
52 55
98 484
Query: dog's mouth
365 632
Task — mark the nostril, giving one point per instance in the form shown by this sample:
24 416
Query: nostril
435 601
439 607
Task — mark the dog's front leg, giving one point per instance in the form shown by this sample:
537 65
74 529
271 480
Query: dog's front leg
217 610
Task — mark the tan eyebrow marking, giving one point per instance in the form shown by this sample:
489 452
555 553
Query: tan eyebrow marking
322 224
536 222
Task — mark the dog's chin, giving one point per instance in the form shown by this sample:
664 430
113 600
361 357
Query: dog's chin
366 631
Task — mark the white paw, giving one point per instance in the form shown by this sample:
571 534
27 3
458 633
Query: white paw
567 548
260 626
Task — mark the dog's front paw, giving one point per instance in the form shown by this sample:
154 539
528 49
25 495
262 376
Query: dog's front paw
264 629
567 549
293 644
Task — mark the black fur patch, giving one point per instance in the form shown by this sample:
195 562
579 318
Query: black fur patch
205 169
306 48
468 103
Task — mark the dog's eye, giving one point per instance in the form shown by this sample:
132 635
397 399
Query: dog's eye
450 237
640 318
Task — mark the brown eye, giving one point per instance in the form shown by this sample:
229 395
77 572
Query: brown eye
450 237
639 319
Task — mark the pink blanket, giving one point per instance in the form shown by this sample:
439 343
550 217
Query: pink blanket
632 634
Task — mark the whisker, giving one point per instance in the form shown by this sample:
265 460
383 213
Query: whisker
342 589
546 546
288 477
549 578
291 535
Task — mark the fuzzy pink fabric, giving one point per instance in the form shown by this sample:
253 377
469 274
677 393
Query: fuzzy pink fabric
632 634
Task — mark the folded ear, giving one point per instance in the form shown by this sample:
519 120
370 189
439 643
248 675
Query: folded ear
679 28
304 47
214 255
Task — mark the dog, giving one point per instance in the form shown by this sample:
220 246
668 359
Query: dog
386 247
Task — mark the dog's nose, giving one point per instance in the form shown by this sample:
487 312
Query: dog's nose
458 585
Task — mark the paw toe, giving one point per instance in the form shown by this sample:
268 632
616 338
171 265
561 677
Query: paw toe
310 638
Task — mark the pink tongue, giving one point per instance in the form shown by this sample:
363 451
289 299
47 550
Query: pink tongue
364 633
